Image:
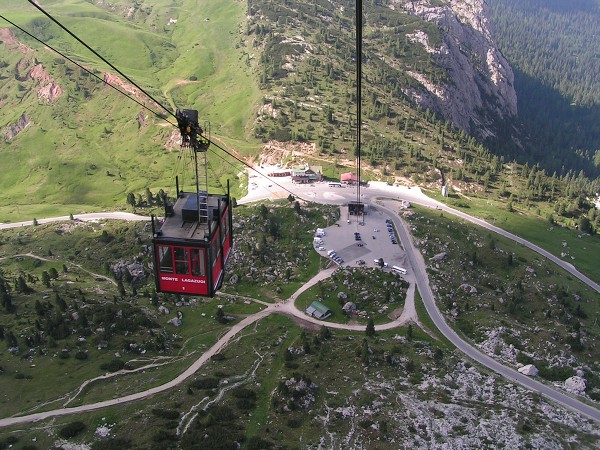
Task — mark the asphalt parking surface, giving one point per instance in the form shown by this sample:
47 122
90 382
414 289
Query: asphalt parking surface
373 244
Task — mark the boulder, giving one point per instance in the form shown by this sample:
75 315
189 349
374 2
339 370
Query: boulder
439 257
175 321
468 289
349 307
530 370
575 385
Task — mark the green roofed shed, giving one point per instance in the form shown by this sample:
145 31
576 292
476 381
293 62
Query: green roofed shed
318 310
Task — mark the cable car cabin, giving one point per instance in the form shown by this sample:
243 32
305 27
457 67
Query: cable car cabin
193 244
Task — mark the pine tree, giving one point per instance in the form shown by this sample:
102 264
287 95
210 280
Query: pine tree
370 330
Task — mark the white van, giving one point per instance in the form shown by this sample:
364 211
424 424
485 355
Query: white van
400 270
376 262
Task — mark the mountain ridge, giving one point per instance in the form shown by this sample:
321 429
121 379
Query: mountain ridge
478 72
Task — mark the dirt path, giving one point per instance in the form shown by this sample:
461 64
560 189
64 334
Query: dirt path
78 266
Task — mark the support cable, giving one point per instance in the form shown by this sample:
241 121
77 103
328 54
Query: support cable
359 29
58 52
142 90
73 35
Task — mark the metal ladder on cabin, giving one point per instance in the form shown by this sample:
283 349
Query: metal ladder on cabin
202 185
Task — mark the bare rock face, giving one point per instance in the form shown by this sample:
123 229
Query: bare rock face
13 129
28 68
479 88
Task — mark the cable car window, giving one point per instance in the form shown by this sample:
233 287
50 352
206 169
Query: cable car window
181 261
166 259
215 250
197 260
224 228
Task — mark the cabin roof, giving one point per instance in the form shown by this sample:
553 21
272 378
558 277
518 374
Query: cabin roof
174 226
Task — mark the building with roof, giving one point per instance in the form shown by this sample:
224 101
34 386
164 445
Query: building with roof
318 310
315 172
300 179
348 178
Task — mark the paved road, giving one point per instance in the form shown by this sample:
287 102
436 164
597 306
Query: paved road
418 266
90 217
322 193
559 262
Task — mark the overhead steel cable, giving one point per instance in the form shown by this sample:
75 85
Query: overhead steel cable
58 52
141 89
255 170
359 29
73 35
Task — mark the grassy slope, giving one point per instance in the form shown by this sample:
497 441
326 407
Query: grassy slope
539 300
96 137
581 249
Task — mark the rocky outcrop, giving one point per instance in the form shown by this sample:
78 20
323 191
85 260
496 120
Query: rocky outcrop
49 89
479 87
13 129
28 69
114 80
11 42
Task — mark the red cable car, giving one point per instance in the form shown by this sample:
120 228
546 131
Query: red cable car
194 241
190 256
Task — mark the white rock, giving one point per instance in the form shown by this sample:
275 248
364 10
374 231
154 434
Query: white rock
102 431
175 321
530 370
575 385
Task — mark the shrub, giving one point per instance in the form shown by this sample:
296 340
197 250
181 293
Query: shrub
294 423
164 435
246 404
366 424
71 430
244 393
555 373
114 365
258 443
112 444
169 414
205 383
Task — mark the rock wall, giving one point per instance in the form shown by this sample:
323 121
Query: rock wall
481 82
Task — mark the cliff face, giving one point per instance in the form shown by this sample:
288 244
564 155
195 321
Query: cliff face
479 86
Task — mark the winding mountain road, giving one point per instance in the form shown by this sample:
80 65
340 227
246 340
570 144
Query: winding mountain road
422 280
88 217
324 195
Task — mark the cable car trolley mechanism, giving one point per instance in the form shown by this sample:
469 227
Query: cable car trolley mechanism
193 243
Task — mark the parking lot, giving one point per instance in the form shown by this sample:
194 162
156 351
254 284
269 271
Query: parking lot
374 243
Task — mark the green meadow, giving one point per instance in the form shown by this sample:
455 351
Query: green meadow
579 249
91 146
